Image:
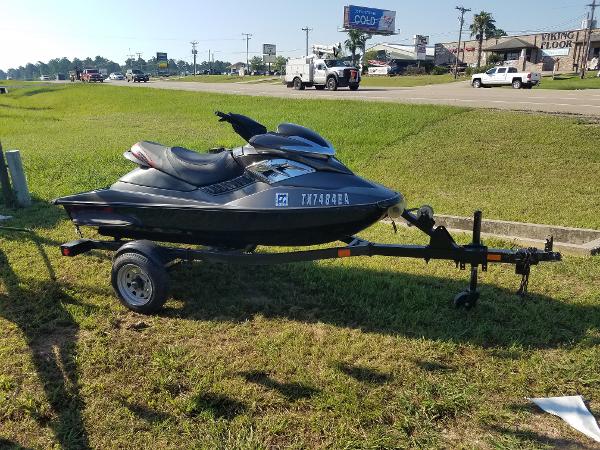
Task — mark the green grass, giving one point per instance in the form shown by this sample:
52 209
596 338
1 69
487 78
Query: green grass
406 80
356 353
571 82
222 78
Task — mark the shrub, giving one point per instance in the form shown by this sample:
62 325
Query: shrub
414 70
439 70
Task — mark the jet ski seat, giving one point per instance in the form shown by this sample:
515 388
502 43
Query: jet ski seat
198 169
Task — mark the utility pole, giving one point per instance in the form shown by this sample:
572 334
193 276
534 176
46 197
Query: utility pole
130 57
194 53
248 36
462 10
209 64
588 39
139 55
307 30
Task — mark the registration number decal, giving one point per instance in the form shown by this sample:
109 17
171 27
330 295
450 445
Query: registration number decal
329 199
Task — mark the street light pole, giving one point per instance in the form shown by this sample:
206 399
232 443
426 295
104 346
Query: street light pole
462 10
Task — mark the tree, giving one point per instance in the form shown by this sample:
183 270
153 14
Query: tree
279 64
256 63
483 27
498 33
357 40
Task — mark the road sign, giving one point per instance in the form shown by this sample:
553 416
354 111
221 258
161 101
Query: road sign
269 49
371 20
162 62
421 43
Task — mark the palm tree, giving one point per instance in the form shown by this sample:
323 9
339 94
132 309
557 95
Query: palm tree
483 26
357 40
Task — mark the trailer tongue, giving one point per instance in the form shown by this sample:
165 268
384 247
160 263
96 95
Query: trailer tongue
143 288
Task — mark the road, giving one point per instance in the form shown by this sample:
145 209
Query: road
584 102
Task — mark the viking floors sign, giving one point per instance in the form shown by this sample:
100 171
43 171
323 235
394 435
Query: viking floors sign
537 52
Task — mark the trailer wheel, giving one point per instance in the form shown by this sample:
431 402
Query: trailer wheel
466 299
140 282
298 85
332 84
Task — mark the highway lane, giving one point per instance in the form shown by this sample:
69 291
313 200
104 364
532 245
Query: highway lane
584 102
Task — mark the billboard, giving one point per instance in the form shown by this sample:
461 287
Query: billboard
269 49
370 20
162 62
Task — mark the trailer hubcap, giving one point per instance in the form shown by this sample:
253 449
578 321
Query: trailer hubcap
134 285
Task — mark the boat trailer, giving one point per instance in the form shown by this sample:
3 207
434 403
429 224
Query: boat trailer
139 266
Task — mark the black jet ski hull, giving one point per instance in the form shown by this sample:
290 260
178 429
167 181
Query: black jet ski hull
229 227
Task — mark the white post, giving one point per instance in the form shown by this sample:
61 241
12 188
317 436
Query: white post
17 175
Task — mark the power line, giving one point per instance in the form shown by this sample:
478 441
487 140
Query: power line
248 36
307 30
462 10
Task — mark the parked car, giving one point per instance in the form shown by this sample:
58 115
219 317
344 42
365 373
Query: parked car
44 78
116 76
506 76
136 75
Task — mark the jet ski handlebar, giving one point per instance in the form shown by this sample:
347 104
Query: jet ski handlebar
246 127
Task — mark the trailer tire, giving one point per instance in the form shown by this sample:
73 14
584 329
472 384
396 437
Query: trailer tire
298 84
332 84
140 282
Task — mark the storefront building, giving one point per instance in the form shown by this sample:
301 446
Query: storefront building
560 51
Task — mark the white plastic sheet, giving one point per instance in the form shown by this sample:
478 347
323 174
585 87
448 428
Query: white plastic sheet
573 411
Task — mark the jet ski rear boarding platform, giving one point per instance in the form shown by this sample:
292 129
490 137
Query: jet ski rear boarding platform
140 279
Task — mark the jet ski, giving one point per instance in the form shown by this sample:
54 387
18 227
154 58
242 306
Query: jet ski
282 188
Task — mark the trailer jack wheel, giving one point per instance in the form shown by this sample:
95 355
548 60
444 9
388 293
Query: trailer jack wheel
466 299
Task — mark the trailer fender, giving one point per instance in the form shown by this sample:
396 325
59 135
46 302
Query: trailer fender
149 249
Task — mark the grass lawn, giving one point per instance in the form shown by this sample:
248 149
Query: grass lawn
572 81
407 80
356 353
222 78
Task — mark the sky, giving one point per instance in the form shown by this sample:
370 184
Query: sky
36 30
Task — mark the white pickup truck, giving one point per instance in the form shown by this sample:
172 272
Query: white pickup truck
506 76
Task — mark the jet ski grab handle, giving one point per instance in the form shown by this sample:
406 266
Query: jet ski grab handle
242 125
